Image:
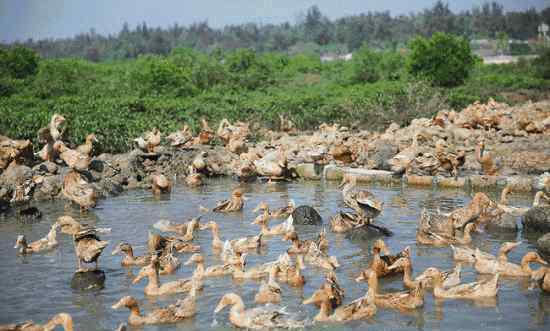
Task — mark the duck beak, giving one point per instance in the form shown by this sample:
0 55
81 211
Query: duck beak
360 279
116 251
308 301
219 307
541 261
117 305
190 261
137 279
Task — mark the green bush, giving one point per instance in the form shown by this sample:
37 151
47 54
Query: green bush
366 65
518 49
444 59
542 64
18 62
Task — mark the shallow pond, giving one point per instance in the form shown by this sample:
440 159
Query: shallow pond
38 286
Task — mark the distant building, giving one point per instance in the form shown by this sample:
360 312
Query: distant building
543 31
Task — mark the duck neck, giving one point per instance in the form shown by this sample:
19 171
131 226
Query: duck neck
130 253
238 306
154 282
467 235
536 200
373 283
215 234
525 264
134 312
324 311
199 271
480 149
407 276
504 196
52 235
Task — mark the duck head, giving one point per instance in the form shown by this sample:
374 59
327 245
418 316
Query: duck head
91 138
262 206
122 247
226 300
210 225
68 225
63 319
317 297
195 258
400 263
534 257
127 301
381 246
21 242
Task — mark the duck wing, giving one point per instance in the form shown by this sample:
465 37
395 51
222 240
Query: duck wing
221 205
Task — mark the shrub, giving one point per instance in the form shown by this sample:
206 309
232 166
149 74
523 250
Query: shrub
542 64
366 65
18 62
444 59
519 49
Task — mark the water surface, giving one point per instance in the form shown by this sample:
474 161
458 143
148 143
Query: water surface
38 286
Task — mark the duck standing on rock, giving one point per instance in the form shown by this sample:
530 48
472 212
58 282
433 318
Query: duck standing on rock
193 178
149 141
79 191
488 164
63 319
74 159
88 145
236 202
45 244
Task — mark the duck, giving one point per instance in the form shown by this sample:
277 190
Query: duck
200 163
362 201
211 271
259 318
270 291
505 268
206 134
236 203
334 291
469 254
263 219
297 246
149 141
63 319
154 287
487 162
129 259
360 308
316 257
542 277
427 237
47 243
88 248
322 240
193 178
88 145
449 278
217 243
381 263
273 164
283 212
405 300
449 160
79 191
74 159
160 184
240 272
47 153
473 290
246 243
56 131
179 311
344 222
186 228
503 203
541 199
181 137
292 274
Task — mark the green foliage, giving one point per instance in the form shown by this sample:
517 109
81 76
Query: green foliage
18 62
444 59
119 100
542 64
517 49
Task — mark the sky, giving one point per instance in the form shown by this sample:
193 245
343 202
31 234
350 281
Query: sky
39 19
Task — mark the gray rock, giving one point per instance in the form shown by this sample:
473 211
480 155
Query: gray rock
306 215
89 280
503 223
543 245
537 219
384 151
28 215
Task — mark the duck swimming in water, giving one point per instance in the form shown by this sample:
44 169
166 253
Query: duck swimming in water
259 318
449 278
129 259
236 203
173 313
362 201
505 268
63 319
160 184
472 290
270 291
45 244
381 263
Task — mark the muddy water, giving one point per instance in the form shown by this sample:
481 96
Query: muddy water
36 287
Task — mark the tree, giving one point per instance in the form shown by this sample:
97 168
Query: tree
444 59
502 42
366 65
18 62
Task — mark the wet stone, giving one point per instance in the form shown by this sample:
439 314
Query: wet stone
88 280
28 215
543 245
306 215
420 180
503 223
537 219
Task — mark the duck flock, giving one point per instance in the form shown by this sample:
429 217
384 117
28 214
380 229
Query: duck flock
452 229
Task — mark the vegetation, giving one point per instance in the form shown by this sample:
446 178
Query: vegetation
313 32
444 60
119 100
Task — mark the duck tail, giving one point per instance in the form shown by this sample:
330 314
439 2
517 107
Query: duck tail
163 225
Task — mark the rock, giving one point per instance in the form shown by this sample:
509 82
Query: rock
368 232
369 175
88 280
520 183
333 172
309 171
479 181
459 182
537 219
28 215
49 188
543 244
46 167
384 150
420 180
306 215
503 223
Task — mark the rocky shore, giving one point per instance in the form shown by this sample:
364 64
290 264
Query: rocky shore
484 146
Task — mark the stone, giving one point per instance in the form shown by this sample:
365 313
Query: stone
370 175
503 223
309 171
306 215
459 182
28 215
47 167
479 181
520 183
419 180
368 232
543 245
384 150
333 172
537 219
88 280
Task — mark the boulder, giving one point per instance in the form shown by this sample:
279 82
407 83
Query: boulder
384 150
306 215
28 215
309 171
503 223
537 219
88 280
543 245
